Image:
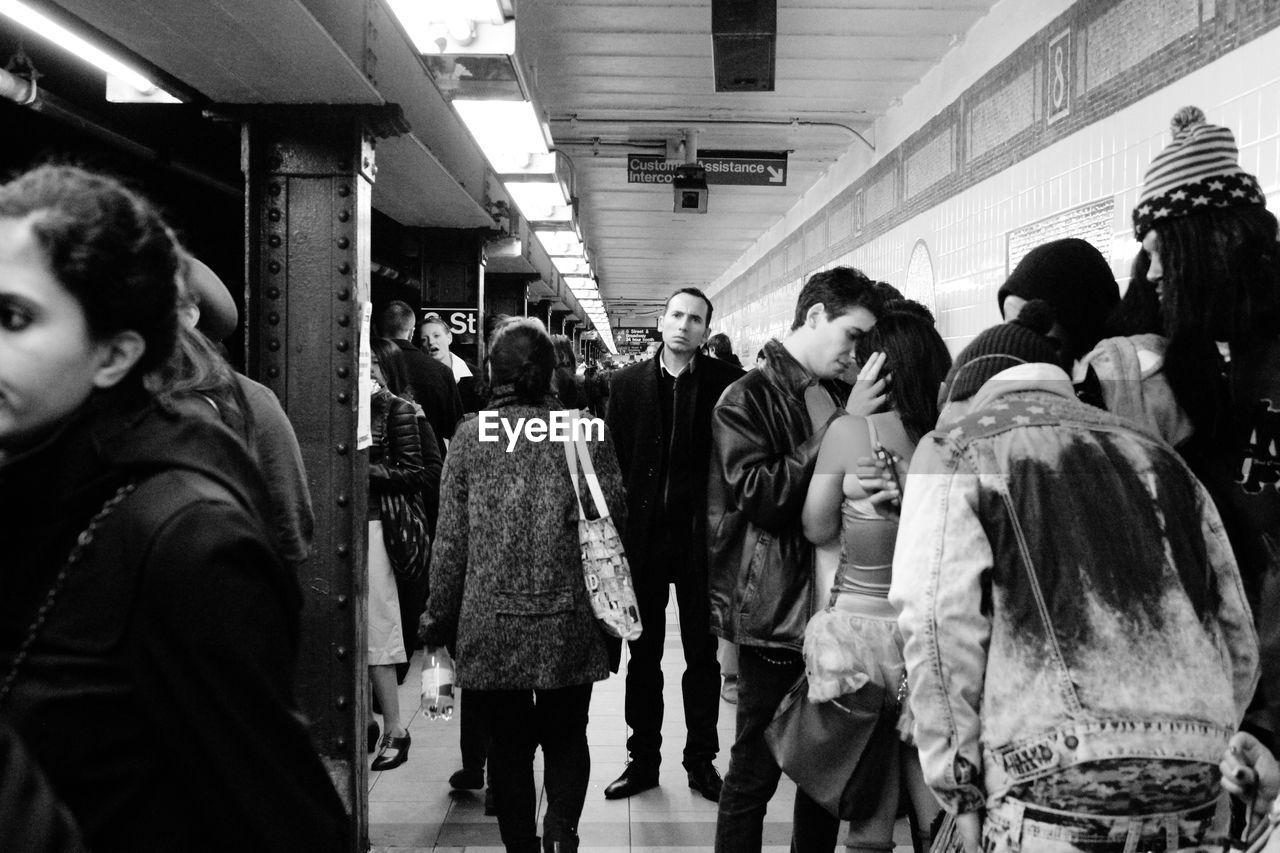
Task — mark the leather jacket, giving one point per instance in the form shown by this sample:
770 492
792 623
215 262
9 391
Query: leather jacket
395 458
763 450
1067 594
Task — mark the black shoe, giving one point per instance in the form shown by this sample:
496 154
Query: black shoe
467 779
400 756
705 779
566 843
636 778
372 734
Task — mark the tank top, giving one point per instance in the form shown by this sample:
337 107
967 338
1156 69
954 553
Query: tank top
866 549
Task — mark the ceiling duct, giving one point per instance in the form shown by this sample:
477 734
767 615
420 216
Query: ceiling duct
744 35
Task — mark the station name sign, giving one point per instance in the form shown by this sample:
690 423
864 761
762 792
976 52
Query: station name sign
740 168
635 339
461 321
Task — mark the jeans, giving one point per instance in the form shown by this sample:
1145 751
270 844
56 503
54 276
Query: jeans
1012 825
700 684
753 773
518 721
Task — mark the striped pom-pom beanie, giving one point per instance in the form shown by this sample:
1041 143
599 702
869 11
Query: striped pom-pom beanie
1198 171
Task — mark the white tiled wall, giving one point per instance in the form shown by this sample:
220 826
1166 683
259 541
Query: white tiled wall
966 234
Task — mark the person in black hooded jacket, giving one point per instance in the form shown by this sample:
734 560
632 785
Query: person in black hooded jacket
148 632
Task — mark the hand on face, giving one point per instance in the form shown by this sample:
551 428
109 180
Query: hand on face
868 395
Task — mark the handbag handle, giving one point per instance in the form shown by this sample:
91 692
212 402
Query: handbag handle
573 450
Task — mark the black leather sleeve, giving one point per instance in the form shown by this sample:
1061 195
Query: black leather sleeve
768 486
401 469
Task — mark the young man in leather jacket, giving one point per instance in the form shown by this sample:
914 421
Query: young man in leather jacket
765 433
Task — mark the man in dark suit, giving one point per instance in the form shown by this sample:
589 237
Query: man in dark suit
432 383
660 418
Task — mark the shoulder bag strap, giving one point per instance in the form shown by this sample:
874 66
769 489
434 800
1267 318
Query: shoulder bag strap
571 456
589 468
871 432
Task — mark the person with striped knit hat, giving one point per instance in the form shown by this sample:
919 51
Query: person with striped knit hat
1211 243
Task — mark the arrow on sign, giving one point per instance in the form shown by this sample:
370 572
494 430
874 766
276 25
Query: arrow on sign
775 175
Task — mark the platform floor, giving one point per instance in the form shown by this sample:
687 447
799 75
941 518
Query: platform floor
413 810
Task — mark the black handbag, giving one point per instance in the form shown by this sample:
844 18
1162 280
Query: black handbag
404 532
836 751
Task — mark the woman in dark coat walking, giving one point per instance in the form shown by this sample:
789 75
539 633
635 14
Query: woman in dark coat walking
148 633
507 585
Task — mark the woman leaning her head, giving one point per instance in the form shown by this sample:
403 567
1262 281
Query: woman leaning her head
87 293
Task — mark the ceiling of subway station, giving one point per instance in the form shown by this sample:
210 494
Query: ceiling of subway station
619 76
613 77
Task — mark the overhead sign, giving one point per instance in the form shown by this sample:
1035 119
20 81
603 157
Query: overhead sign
635 339
739 168
461 321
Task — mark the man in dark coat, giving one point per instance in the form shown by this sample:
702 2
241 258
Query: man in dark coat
432 383
660 417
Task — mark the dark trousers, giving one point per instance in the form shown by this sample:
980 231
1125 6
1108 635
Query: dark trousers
473 736
753 774
518 721
701 681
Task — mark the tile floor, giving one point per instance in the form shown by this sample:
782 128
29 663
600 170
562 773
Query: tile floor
413 810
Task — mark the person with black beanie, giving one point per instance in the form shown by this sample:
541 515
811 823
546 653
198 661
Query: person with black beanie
1073 277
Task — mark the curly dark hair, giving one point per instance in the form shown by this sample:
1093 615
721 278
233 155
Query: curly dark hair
1220 282
109 247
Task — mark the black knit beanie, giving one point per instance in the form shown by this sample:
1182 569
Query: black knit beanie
1020 341
1073 277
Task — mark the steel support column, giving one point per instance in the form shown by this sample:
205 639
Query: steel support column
308 213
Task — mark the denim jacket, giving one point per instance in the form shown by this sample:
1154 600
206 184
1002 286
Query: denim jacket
1066 593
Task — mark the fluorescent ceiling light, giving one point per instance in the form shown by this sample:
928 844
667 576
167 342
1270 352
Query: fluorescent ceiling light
579 281
69 41
525 163
541 202
503 129
561 242
121 91
571 266
456 26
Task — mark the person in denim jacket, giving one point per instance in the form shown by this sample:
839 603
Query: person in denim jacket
1078 643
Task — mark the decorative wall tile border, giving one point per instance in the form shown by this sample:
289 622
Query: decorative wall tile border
1096 58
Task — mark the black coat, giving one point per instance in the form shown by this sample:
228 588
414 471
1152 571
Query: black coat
635 422
434 390
157 696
